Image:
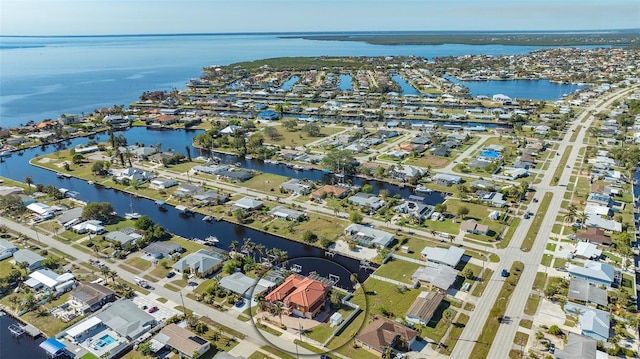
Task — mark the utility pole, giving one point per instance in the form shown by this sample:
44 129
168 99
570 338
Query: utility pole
37 234
184 309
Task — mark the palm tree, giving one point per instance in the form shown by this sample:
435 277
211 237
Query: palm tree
260 249
113 275
278 309
233 246
28 181
354 280
105 271
335 299
247 245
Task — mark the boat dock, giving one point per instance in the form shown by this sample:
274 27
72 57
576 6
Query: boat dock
18 330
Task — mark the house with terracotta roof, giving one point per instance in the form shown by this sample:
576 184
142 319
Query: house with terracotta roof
594 235
329 190
383 333
301 296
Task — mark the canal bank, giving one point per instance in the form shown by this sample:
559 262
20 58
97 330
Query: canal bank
18 347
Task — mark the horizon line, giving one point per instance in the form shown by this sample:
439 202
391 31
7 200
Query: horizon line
355 32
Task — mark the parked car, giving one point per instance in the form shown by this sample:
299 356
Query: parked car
153 309
504 273
171 274
552 348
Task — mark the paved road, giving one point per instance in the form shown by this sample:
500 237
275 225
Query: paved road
229 319
531 259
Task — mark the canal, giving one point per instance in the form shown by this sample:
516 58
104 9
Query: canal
17 167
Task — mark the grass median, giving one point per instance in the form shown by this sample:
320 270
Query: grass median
532 234
496 315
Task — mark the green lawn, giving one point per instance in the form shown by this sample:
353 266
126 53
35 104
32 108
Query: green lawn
551 247
300 138
504 243
277 352
546 260
454 334
480 286
532 304
562 165
398 269
266 182
138 263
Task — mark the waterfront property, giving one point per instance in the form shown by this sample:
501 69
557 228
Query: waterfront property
159 250
90 297
244 286
368 236
287 213
247 204
201 263
109 331
51 280
301 296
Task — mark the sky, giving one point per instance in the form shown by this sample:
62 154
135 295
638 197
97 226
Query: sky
91 17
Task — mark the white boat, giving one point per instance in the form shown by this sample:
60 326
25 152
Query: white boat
298 167
4 154
90 182
211 240
132 215
207 219
423 189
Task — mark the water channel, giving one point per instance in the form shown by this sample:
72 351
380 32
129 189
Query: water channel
17 167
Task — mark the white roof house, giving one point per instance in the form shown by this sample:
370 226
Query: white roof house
587 250
606 224
48 278
93 225
449 256
597 210
441 276
248 203
6 249
40 208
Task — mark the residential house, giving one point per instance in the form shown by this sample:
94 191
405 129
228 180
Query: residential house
6 249
329 190
599 199
268 115
493 199
211 197
200 263
368 236
161 249
583 291
93 226
446 180
414 209
230 130
473 227
187 344
161 157
295 186
406 172
90 297
441 276
440 151
594 323
383 333
366 200
580 347
73 214
515 173
606 224
247 204
301 296
245 286
187 190
49 279
287 213
595 272
423 307
162 183
235 174
33 260
594 235
448 256
586 250
123 237
131 174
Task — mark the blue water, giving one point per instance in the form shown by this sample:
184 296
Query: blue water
107 339
406 87
490 154
346 83
287 85
528 89
43 77
24 347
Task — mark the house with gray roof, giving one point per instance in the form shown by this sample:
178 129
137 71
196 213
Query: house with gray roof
122 237
287 213
211 197
295 186
580 347
161 249
366 200
200 263
25 255
582 290
424 306
444 179
245 286
90 297
448 256
187 190
69 215
247 204
595 272
440 276
236 175
594 323
126 318
368 236
6 249
415 209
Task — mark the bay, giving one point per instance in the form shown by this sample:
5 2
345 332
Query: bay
43 77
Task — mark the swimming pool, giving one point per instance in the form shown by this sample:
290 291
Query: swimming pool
107 339
490 154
